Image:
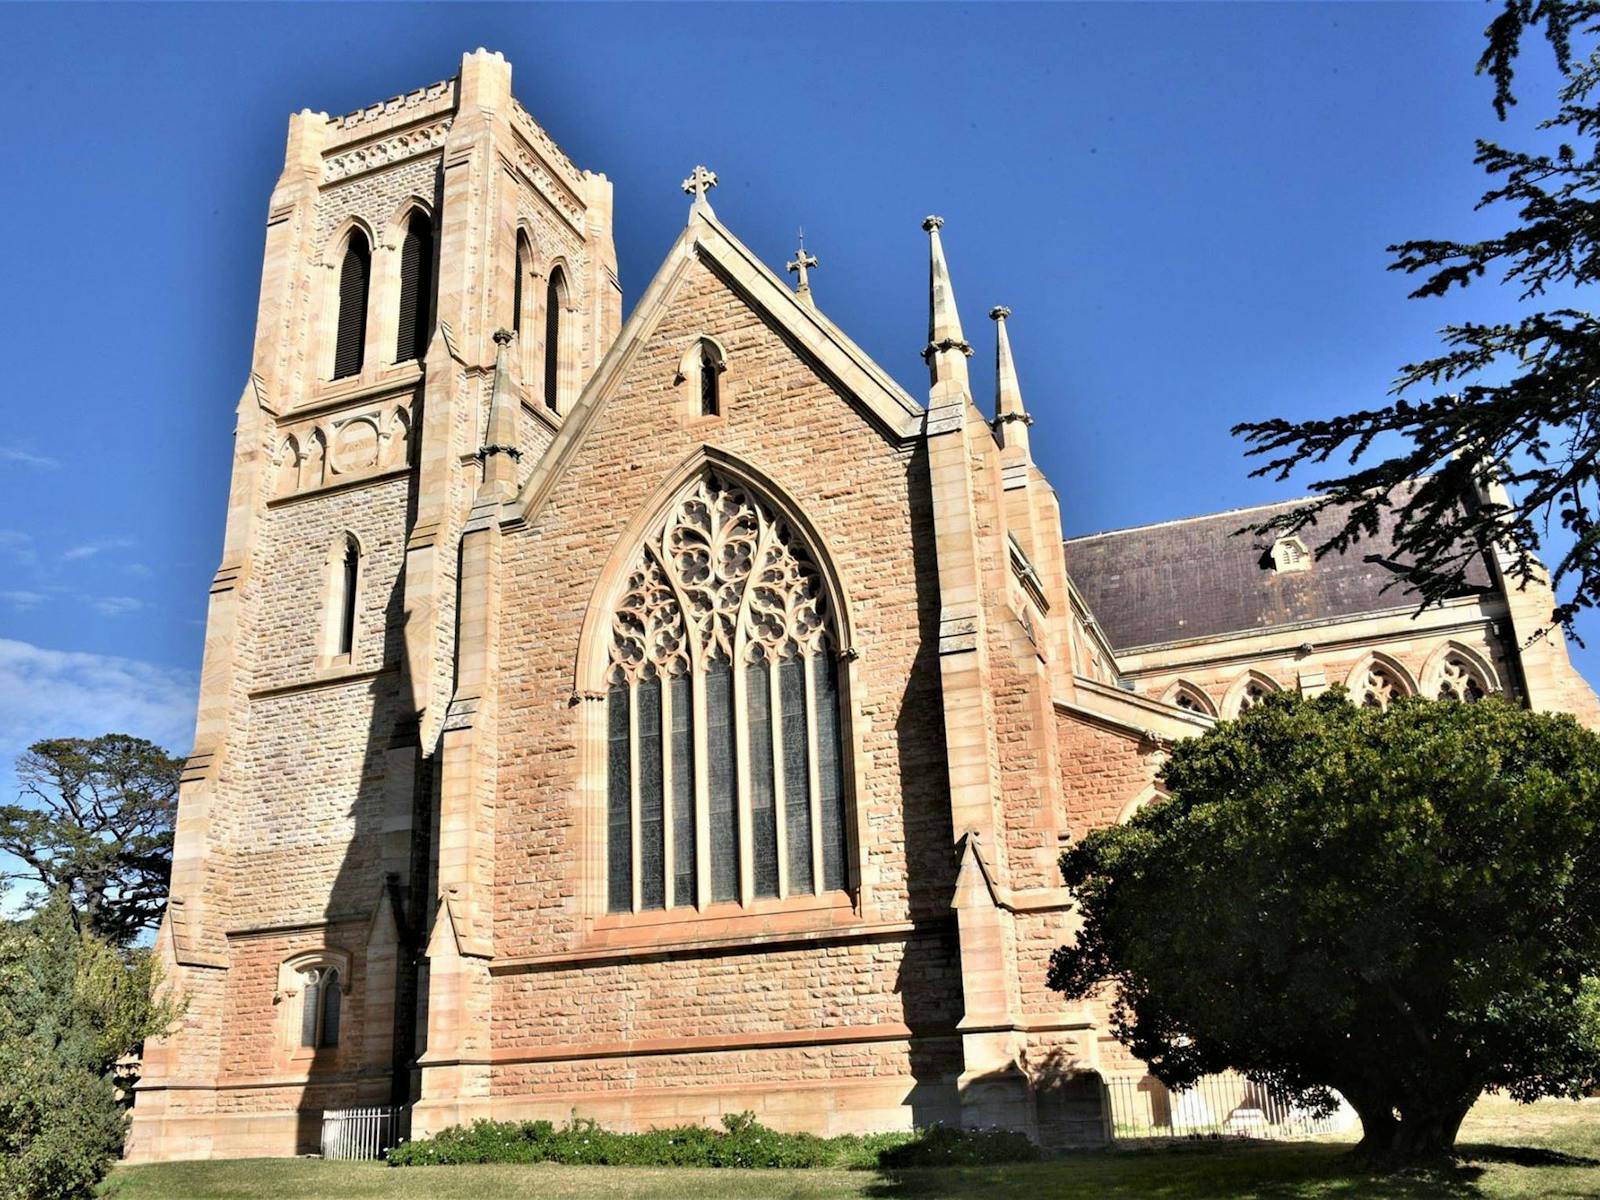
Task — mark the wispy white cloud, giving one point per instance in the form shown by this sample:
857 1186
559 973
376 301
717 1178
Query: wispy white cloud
28 459
18 545
90 549
57 693
23 600
116 606
138 570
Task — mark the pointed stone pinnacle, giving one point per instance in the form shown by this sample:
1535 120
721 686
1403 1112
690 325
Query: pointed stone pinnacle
947 348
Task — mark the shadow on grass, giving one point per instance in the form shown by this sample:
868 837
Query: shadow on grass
1524 1156
1304 1171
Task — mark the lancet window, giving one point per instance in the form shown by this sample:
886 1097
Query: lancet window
321 992
350 331
725 764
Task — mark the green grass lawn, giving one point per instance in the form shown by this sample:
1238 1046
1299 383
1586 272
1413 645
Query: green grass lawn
1549 1149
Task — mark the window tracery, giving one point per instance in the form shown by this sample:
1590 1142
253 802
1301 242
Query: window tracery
1381 687
725 767
1460 679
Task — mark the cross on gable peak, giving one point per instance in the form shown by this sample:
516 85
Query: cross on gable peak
700 182
802 261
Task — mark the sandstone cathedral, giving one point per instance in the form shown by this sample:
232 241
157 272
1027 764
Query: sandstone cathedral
656 720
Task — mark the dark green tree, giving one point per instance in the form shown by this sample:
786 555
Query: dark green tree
1516 402
95 822
1403 906
70 1005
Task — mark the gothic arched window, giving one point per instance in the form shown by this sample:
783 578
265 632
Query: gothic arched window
725 765
343 598
516 286
351 329
1381 687
1254 693
320 991
710 369
1460 679
554 301
416 289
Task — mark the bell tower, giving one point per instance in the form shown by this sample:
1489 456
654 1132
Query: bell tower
399 239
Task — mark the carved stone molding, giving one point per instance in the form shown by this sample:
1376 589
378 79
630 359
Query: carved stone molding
385 151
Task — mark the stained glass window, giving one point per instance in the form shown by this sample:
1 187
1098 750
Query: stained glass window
723 593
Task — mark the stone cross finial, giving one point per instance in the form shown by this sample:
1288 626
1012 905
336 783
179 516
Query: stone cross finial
700 182
801 262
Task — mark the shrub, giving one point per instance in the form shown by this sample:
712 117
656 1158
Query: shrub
741 1142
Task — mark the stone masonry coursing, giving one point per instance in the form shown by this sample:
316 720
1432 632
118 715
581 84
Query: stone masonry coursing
425 814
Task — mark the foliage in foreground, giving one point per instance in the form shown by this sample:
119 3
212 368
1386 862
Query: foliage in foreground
95 822
1513 399
1401 905
70 1005
741 1142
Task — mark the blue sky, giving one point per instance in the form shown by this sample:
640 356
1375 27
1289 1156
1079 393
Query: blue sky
1186 208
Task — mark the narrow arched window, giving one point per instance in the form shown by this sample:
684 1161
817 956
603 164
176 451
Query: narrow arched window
319 1007
351 331
555 299
725 761
710 370
416 289
516 288
347 598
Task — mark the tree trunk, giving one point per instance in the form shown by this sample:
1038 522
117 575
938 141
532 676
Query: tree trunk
1379 1126
1428 1129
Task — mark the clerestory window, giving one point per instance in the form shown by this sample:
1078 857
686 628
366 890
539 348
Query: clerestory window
725 763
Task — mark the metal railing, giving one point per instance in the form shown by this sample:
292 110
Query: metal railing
1226 1105
351 1133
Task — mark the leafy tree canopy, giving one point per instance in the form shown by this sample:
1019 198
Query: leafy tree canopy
1515 402
95 822
70 1006
1403 906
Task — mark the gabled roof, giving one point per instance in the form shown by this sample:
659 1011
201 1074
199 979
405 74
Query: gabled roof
1182 580
707 240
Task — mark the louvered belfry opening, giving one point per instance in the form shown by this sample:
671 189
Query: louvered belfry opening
555 298
724 751
416 289
354 273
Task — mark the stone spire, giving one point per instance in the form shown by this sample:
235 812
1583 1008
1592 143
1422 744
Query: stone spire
499 453
1011 420
947 351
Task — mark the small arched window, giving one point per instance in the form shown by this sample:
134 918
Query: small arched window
1381 687
710 370
344 595
725 758
320 991
554 301
416 289
1460 679
1254 693
355 272
517 286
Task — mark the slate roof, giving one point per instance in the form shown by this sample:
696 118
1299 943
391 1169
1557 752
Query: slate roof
1180 580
